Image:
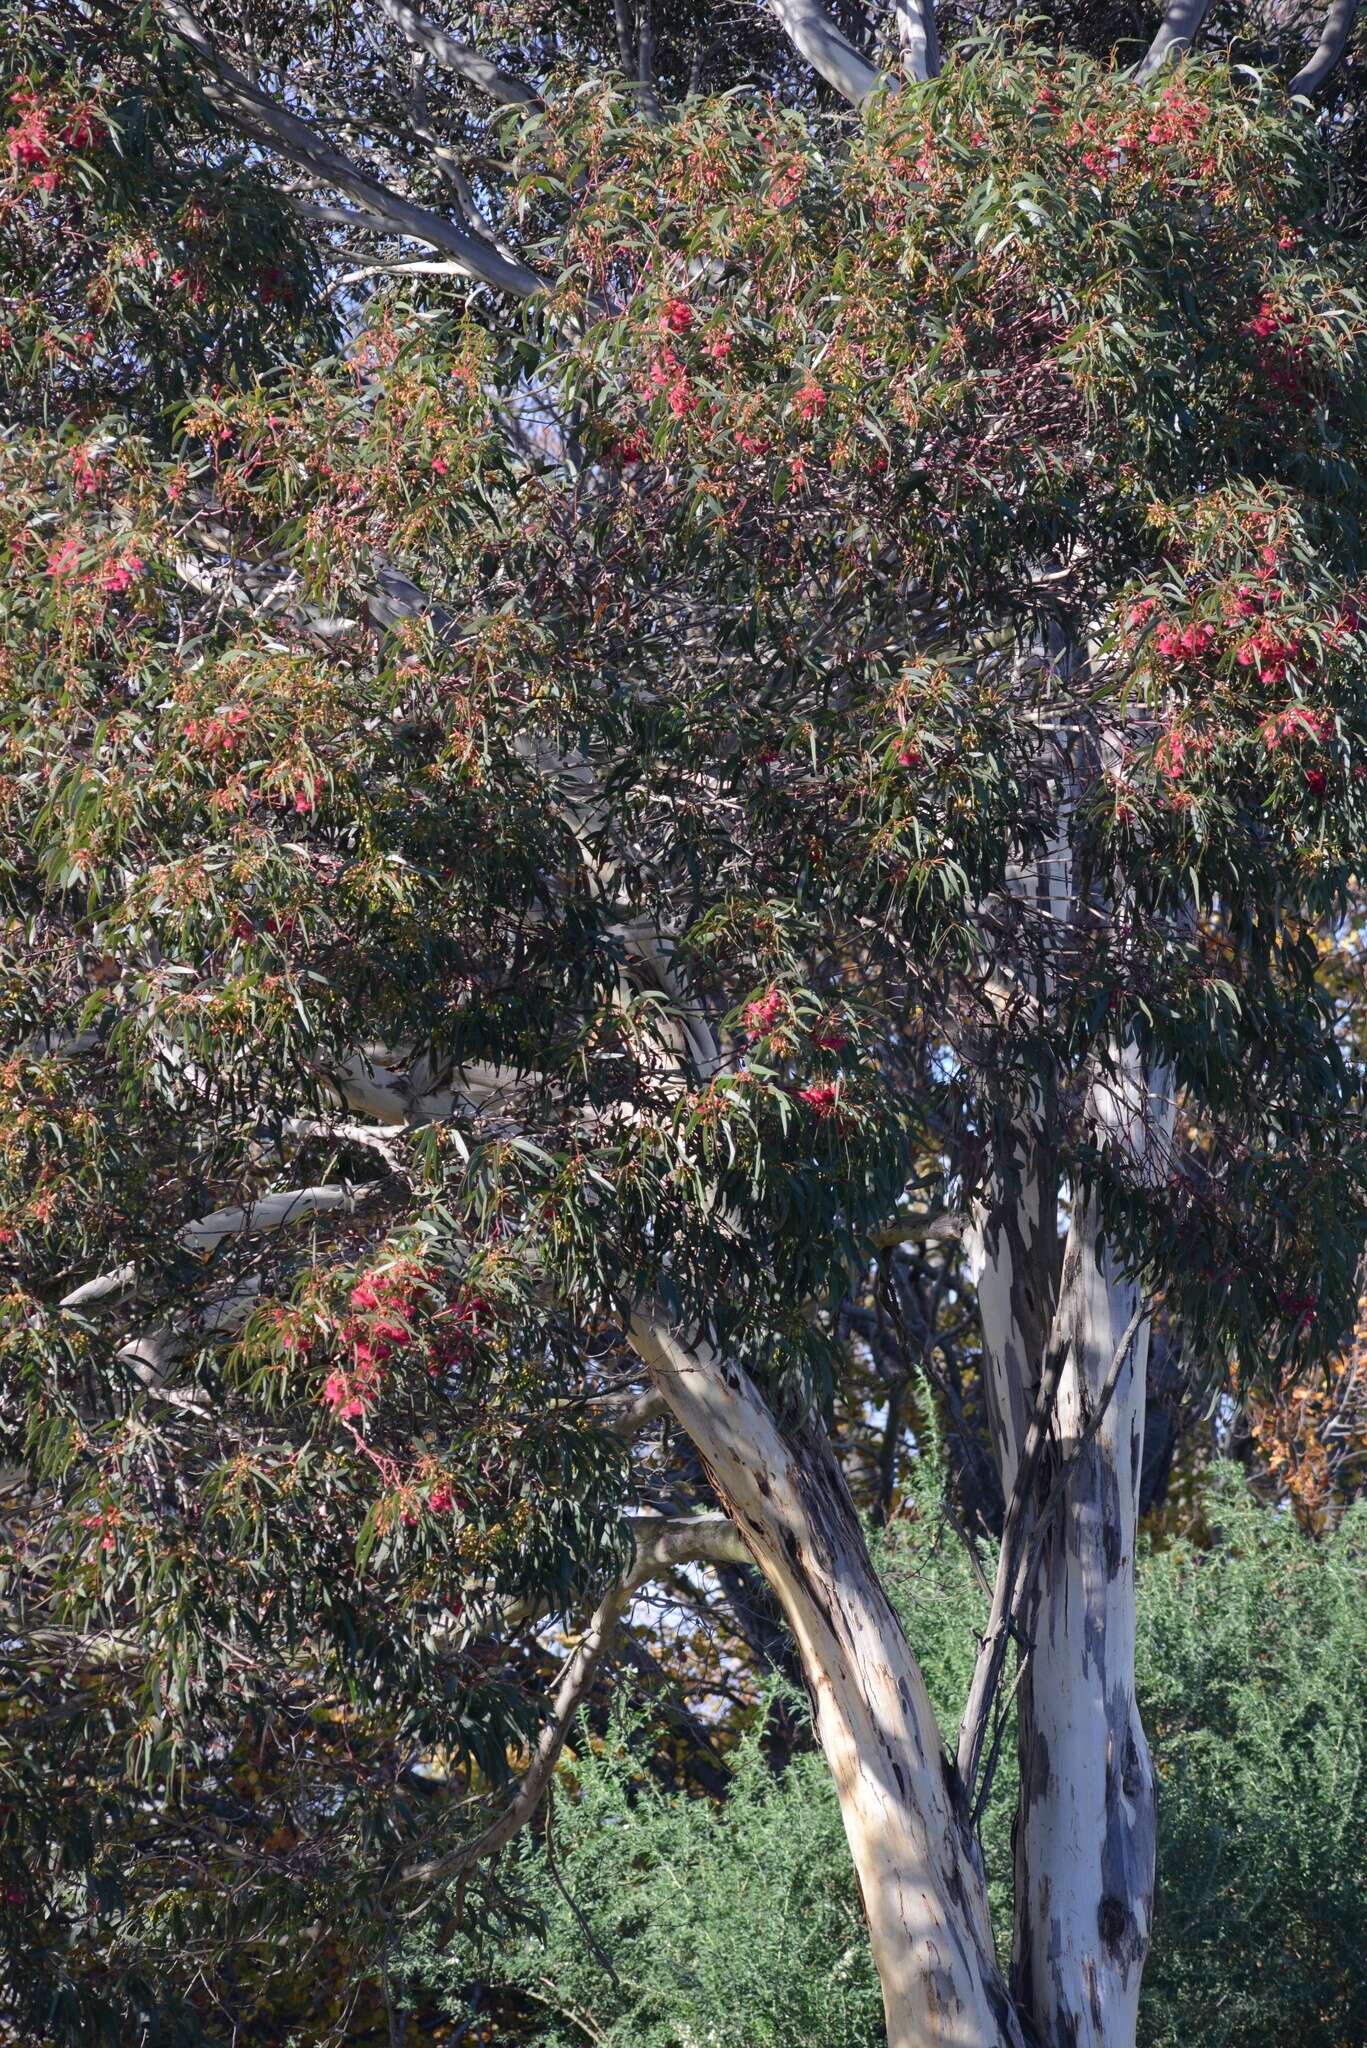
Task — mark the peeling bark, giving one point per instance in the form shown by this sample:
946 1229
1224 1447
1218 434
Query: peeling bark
918 1873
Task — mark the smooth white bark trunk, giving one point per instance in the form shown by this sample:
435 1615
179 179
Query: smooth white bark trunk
1085 1825
1085 1829
921 1887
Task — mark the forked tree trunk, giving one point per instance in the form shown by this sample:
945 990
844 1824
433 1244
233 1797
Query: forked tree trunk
1085 1821
918 1874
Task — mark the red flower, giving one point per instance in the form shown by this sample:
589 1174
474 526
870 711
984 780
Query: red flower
761 1015
338 1395
1174 751
820 1097
63 559
84 131
86 475
810 402
1300 1307
1270 652
1266 321
631 448
1189 645
30 142
677 316
1298 721
119 575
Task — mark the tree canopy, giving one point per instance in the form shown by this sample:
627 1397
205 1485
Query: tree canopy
536 817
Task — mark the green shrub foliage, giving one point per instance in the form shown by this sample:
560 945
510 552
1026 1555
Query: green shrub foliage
670 1922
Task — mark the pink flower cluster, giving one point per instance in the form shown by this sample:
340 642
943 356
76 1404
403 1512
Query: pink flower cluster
383 1302
810 401
1271 652
788 181
87 476
1189 645
217 735
1283 367
35 146
668 375
1299 1308
764 1013
1266 321
104 1525
1297 722
1178 750
121 575
1178 117
820 1097
389 1316
114 577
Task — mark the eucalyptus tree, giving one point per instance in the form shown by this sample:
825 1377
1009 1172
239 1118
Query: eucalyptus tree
793 681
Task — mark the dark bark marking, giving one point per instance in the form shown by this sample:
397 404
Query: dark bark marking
1068 2029
1094 1999
1000 2004
1112 1919
1127 1852
1037 1775
1132 1771
1110 1544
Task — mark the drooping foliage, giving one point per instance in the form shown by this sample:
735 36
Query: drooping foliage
501 827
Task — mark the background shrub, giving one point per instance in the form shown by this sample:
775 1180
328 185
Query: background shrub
665 1921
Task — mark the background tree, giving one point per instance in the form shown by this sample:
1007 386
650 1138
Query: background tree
543 845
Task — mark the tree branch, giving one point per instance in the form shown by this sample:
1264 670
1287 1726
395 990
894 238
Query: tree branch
1338 25
576 1682
987 1667
665 1541
1177 31
661 1543
942 1228
918 37
435 43
815 36
1027 1548
206 1233
251 113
